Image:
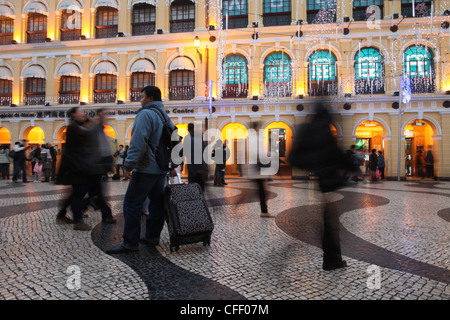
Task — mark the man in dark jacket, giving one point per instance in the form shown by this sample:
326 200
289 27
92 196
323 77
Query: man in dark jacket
148 179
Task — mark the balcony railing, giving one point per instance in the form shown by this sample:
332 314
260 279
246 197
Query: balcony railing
70 34
36 36
140 29
372 86
5 38
103 32
423 85
277 19
182 93
235 22
5 99
104 97
135 95
277 89
177 26
235 91
69 98
323 88
34 99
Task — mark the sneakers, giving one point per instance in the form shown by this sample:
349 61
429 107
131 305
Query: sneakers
122 248
82 226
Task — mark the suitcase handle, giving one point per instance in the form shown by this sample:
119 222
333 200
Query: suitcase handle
179 179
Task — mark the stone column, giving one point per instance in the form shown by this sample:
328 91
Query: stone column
17 95
122 93
85 83
50 92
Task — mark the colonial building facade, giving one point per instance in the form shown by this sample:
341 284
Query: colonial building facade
228 63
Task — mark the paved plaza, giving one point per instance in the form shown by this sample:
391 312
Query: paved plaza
395 238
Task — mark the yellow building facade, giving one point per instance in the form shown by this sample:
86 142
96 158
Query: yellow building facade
229 63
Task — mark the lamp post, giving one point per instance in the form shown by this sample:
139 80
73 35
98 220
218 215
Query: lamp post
197 45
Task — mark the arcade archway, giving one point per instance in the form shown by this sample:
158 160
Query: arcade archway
369 136
419 143
236 136
34 135
5 137
284 145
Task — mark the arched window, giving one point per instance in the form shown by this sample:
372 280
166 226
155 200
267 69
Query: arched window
235 76
419 66
36 28
69 90
237 14
416 8
142 75
322 73
369 71
277 12
182 16
362 10
5 92
277 75
107 22
34 91
70 25
6 30
321 11
105 88
182 79
143 19
6 79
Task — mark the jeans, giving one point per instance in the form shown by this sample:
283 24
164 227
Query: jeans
143 185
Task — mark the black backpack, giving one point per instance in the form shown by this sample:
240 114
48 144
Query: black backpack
163 152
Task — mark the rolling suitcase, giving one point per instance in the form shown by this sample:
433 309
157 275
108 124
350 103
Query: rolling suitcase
187 214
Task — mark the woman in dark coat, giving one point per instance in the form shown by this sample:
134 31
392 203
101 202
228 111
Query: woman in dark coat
373 165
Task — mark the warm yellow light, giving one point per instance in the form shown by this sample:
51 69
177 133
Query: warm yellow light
109 131
5 136
35 136
234 131
182 129
197 42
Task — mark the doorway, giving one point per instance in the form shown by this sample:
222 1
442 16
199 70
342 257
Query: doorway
420 150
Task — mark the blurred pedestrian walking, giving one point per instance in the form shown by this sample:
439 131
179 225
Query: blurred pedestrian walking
315 149
356 157
193 147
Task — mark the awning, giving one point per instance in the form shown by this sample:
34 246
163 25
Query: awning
105 67
107 3
5 74
69 69
6 11
182 63
73 5
34 71
143 65
151 2
35 7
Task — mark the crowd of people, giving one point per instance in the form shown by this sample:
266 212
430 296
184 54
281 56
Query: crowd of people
42 160
88 157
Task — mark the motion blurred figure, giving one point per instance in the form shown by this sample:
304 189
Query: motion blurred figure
315 149
193 147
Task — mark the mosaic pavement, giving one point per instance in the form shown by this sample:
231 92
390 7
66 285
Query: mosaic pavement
395 238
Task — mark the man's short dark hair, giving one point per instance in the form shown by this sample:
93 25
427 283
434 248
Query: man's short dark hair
73 110
152 91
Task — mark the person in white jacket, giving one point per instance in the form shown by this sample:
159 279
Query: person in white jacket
4 162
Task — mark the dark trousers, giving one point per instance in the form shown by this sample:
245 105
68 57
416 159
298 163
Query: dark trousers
262 194
4 169
143 185
331 243
93 187
20 166
381 172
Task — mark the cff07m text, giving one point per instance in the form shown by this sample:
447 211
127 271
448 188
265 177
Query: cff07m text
246 309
